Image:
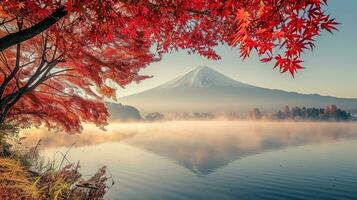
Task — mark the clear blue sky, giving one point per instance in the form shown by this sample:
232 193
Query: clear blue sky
331 69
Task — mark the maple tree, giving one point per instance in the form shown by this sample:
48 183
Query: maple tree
61 59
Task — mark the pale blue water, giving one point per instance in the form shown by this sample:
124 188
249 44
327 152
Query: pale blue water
221 160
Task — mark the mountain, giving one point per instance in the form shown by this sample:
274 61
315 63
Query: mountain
206 90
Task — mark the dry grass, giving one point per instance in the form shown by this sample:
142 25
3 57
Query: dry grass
24 175
15 182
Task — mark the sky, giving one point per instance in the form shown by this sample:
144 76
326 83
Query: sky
331 69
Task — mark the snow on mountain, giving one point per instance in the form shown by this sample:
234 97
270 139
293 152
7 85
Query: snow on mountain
202 76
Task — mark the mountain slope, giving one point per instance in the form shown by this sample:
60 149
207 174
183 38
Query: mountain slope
206 90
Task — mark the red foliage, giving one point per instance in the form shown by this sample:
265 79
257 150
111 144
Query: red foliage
289 26
100 44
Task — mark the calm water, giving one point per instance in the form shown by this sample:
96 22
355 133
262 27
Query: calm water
217 160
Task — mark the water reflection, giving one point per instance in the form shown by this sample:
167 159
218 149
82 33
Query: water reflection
203 147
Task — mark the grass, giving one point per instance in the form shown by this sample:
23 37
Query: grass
15 181
24 175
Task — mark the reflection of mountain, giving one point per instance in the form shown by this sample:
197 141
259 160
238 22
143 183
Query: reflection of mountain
206 90
203 147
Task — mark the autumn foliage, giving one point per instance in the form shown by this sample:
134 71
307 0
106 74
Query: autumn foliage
290 26
61 59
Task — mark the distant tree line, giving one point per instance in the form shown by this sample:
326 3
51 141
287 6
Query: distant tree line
155 116
329 113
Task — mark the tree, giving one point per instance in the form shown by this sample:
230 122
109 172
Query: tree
330 112
327 110
287 111
255 114
61 59
44 82
155 116
333 110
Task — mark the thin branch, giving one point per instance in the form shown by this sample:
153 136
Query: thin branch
13 72
29 63
45 84
61 71
50 93
4 60
4 21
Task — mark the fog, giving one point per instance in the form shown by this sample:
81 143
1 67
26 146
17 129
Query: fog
247 135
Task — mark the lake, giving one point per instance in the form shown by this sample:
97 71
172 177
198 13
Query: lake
216 160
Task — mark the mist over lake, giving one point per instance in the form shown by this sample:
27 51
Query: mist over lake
215 159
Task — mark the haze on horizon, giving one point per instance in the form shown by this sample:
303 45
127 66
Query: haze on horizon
330 69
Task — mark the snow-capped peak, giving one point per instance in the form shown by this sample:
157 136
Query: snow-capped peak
203 76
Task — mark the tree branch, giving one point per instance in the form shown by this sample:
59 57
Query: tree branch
18 37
